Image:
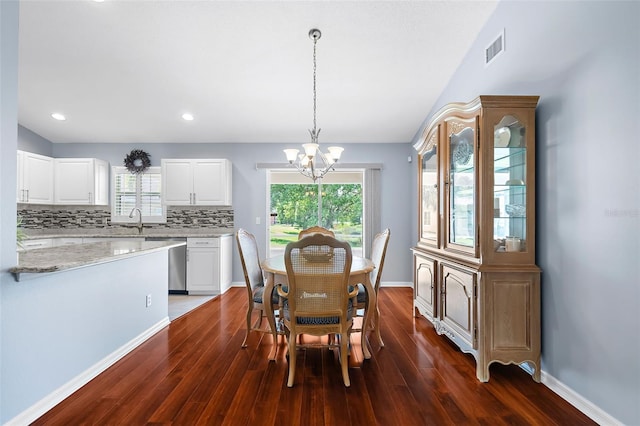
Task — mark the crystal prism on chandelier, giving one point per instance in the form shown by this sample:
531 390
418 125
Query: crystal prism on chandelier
314 163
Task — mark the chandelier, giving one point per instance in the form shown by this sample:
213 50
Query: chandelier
314 163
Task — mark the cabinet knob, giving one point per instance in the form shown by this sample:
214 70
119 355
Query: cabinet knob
435 185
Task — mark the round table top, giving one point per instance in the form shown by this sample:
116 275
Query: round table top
275 265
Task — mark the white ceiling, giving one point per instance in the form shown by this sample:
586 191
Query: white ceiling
125 71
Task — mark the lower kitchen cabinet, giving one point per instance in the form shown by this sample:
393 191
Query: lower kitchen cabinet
208 265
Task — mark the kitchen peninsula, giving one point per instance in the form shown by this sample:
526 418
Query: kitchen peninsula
78 309
84 255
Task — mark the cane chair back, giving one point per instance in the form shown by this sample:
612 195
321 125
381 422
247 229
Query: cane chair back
315 230
378 253
317 300
254 280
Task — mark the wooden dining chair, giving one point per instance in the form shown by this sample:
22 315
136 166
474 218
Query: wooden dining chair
254 279
315 230
378 253
317 300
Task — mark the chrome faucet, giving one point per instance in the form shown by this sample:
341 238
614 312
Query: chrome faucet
139 225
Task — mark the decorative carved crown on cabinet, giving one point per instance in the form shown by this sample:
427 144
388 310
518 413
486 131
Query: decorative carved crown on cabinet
475 275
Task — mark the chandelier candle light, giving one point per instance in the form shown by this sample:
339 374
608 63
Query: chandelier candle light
314 163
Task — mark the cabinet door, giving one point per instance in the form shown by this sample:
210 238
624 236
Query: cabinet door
37 179
177 182
461 184
20 194
101 181
511 187
458 295
429 202
74 181
425 286
211 182
203 266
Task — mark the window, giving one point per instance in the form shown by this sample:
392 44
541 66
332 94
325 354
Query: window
142 191
335 202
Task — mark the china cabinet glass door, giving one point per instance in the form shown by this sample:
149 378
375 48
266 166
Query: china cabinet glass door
429 209
509 186
461 192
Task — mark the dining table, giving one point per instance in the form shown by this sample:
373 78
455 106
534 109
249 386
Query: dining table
276 273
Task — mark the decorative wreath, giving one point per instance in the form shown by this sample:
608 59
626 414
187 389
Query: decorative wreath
137 161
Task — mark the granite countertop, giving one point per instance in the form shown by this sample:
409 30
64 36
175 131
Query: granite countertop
128 232
74 256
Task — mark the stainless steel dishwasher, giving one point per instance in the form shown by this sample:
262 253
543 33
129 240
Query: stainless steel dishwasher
177 265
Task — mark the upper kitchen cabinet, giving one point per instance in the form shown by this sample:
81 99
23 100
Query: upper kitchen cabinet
475 275
35 178
83 181
196 182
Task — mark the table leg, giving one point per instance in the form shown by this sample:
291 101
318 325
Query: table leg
268 312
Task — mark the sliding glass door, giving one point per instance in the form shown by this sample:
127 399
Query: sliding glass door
335 202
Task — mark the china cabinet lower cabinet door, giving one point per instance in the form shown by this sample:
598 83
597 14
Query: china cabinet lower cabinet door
510 322
458 311
425 286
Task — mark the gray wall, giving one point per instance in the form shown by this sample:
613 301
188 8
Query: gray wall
582 58
33 142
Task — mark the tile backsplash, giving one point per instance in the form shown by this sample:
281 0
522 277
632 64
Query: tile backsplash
91 217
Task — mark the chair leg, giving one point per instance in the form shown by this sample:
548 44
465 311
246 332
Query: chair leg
246 336
292 360
376 319
344 358
258 322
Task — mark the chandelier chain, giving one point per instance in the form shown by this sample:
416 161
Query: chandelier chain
315 41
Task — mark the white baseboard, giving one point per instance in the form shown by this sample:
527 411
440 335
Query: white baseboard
54 398
591 410
396 284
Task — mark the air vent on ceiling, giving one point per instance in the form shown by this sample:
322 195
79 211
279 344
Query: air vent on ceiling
494 49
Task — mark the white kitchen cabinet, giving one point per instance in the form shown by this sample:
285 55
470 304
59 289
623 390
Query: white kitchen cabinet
196 182
81 181
35 178
208 265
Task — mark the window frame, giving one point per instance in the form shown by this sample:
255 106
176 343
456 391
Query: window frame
115 218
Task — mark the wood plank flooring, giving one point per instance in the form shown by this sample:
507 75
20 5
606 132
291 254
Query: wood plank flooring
194 372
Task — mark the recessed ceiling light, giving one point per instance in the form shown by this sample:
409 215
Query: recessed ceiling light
58 116
187 116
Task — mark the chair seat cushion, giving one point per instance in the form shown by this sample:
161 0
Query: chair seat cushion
258 294
317 320
362 294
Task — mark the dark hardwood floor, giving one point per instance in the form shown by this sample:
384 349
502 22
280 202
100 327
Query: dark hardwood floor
194 372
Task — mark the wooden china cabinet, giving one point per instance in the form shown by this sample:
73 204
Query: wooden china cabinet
475 275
